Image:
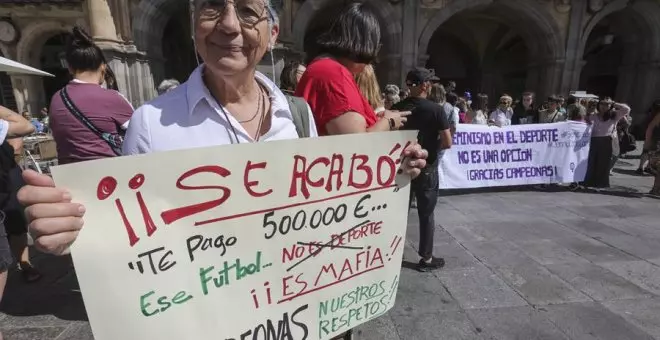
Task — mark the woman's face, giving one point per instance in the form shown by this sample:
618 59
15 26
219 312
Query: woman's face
603 107
505 104
232 36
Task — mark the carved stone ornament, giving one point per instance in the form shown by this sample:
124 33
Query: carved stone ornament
596 5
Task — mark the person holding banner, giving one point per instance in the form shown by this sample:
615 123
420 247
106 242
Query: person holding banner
502 115
601 150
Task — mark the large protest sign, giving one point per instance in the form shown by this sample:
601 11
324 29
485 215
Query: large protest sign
298 239
484 156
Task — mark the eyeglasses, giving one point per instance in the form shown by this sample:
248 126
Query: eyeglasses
249 12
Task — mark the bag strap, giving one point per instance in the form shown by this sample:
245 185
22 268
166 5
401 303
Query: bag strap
300 114
64 94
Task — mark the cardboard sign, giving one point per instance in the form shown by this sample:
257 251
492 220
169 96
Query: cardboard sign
299 239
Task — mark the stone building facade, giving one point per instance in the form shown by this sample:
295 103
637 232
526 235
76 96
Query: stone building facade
608 47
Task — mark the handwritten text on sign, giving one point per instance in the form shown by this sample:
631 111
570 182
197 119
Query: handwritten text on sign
279 240
485 156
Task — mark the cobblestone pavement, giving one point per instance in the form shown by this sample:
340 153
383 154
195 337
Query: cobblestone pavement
521 264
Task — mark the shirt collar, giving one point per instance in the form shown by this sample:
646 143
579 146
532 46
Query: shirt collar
196 91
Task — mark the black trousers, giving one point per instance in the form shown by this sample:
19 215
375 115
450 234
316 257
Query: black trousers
600 158
425 189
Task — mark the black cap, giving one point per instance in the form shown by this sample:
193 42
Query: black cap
420 75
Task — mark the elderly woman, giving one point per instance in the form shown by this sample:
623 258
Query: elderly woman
224 101
290 76
391 96
502 115
167 85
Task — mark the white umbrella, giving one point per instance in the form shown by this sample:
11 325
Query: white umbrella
10 66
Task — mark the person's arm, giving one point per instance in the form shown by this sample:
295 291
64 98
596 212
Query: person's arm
17 126
138 135
445 134
655 123
123 112
621 110
17 144
353 122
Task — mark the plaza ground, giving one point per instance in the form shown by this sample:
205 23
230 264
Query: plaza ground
521 264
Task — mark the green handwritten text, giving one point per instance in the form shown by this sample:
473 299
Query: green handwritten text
163 303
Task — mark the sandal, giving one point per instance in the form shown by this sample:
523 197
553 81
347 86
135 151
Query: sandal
30 274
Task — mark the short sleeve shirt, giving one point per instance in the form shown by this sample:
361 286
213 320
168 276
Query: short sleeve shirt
429 119
330 90
106 109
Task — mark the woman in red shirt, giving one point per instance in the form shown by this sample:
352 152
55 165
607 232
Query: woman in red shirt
350 43
343 50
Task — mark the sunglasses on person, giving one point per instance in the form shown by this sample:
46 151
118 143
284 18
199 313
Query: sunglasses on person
249 12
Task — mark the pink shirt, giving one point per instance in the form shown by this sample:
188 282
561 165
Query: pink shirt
108 110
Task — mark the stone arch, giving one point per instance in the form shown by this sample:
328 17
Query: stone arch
638 28
647 14
543 27
149 22
34 36
391 37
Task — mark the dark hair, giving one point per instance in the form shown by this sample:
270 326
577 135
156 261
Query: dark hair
576 112
81 52
554 99
529 94
452 98
572 100
482 102
289 75
354 35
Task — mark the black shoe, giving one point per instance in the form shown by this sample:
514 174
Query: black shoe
436 263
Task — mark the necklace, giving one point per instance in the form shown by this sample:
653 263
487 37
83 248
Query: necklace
257 111
261 103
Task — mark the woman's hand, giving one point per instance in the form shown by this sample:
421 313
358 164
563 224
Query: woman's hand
414 160
54 221
399 117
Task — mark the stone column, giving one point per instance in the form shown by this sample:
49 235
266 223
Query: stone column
101 21
543 77
131 68
409 53
570 78
638 86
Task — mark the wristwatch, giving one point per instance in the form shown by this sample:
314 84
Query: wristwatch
392 124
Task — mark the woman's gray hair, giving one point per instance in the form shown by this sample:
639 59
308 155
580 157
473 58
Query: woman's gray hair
167 85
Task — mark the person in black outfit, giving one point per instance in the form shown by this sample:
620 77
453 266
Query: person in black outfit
434 135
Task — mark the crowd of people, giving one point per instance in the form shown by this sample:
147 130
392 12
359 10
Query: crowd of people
610 122
227 101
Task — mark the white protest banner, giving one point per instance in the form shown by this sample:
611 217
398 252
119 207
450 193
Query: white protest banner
299 239
484 156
